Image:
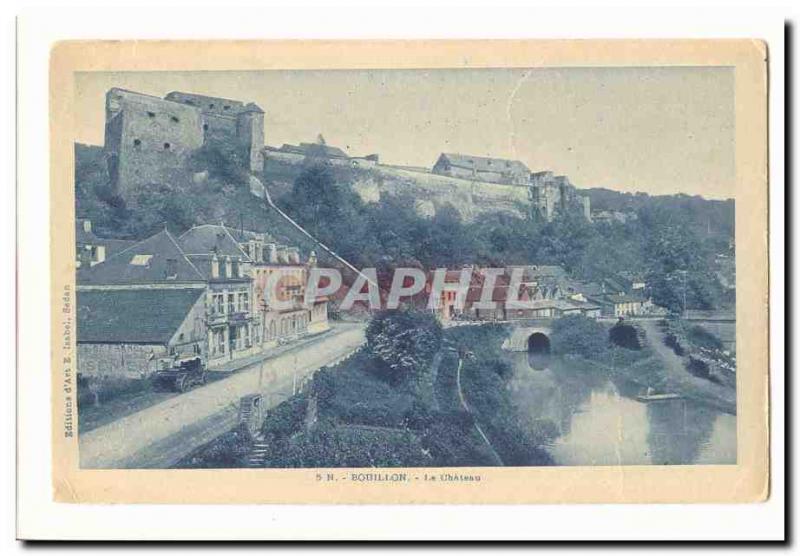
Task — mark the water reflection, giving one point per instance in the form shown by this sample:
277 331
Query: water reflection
597 421
538 361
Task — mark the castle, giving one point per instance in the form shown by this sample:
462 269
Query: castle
553 195
148 138
549 195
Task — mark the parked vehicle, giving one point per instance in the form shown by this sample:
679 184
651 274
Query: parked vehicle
181 374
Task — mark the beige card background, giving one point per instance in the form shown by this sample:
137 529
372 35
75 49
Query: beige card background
746 481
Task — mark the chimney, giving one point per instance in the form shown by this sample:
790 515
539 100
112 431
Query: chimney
172 268
272 253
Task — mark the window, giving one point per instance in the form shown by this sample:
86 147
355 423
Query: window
137 143
245 302
226 107
151 114
141 260
205 127
211 105
172 269
174 119
231 303
167 146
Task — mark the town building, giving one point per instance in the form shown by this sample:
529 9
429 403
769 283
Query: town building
281 264
318 153
91 249
160 263
541 290
204 293
142 303
148 139
480 168
123 334
233 327
623 305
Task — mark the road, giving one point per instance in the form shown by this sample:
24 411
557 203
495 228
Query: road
702 390
160 435
93 417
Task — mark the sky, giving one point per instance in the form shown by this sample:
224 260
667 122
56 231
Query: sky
659 130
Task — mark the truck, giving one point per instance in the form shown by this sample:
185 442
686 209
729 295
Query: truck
180 373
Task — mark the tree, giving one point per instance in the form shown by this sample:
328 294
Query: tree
579 335
406 341
326 206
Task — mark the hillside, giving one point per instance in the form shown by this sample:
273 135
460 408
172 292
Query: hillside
672 235
218 196
431 192
707 216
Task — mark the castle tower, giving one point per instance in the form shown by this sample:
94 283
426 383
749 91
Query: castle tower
226 120
250 131
147 138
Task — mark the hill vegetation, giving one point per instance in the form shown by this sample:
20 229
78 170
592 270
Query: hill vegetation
668 243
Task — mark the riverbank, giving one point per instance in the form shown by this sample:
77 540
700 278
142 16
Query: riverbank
655 366
720 394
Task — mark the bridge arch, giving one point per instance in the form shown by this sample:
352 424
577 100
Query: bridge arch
521 335
539 343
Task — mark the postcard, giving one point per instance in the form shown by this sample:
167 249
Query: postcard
403 272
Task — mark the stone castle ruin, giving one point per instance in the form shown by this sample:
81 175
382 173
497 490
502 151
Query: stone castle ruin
148 139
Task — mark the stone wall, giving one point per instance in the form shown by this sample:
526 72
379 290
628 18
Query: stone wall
131 361
433 191
147 139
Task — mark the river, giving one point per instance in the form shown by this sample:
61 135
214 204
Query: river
596 420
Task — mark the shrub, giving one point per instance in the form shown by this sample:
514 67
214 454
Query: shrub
672 341
404 340
227 450
352 446
625 336
698 368
500 367
700 337
286 418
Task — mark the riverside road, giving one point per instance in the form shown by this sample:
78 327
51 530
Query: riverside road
162 434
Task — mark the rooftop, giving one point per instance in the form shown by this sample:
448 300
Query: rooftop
484 164
211 239
157 259
140 316
315 149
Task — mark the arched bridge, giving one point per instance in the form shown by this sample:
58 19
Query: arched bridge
529 337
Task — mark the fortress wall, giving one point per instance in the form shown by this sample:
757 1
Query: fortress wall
470 198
